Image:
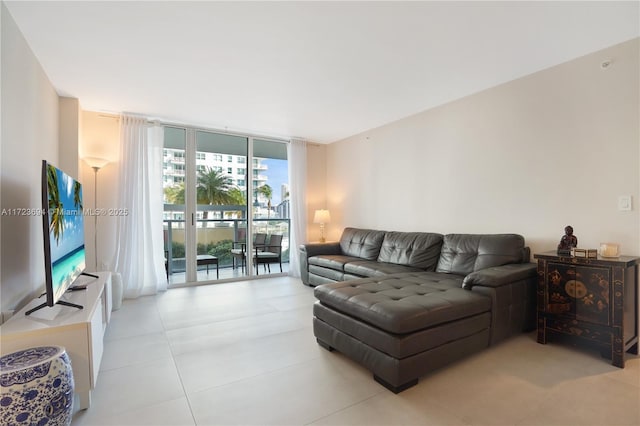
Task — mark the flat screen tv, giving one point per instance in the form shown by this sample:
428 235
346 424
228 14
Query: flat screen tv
63 231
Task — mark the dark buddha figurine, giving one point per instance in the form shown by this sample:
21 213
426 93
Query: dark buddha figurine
568 241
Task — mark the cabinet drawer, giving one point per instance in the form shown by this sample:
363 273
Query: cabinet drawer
587 331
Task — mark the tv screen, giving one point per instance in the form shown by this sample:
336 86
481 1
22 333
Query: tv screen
63 226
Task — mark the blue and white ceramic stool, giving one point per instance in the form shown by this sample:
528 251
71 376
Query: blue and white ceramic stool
36 387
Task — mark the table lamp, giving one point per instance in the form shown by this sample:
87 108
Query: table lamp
322 217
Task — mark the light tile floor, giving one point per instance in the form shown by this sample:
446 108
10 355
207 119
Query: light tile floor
244 353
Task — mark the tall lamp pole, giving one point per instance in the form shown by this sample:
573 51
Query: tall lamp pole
96 164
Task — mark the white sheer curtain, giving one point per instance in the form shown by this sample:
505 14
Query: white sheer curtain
297 156
139 243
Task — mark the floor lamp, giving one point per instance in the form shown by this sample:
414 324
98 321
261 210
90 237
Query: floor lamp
96 164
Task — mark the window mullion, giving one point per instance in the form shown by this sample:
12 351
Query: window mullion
190 207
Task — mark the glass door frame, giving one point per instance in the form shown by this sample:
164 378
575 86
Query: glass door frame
191 206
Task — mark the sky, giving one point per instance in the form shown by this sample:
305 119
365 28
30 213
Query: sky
277 174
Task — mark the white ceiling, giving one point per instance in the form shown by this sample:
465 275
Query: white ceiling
321 71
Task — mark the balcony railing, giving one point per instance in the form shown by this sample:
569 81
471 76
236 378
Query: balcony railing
216 237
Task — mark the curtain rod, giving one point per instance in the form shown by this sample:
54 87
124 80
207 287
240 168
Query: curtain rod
207 129
224 132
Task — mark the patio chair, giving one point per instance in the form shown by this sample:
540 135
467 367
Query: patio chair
268 253
239 249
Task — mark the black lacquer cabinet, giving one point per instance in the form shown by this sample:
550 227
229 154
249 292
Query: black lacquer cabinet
589 301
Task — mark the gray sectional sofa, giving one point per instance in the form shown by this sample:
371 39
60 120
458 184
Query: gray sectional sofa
405 303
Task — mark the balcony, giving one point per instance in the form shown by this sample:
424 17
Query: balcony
257 167
215 237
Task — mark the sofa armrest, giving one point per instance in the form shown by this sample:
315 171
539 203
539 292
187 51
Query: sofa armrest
512 289
499 276
315 249
309 250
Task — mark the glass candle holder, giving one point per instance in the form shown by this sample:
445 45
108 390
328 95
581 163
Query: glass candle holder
609 249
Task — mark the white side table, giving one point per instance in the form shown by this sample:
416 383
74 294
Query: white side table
79 331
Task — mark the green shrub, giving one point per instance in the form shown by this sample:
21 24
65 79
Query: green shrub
177 250
221 250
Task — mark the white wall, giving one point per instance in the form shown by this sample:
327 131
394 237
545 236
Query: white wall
68 136
530 156
316 186
29 135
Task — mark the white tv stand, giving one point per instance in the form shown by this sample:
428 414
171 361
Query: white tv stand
80 331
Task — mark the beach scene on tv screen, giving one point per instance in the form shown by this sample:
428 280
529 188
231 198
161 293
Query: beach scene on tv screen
66 229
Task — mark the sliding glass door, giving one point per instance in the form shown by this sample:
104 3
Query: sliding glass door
173 182
221 204
270 186
226 206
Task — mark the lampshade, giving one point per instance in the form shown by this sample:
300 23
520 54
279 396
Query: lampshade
322 216
96 162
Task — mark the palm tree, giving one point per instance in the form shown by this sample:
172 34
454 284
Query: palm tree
213 189
238 198
56 211
267 192
77 196
175 194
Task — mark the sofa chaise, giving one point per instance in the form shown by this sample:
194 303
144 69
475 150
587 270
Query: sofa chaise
405 303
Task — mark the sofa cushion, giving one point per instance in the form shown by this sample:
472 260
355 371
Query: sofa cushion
332 261
362 243
417 249
465 253
325 274
403 345
404 303
373 268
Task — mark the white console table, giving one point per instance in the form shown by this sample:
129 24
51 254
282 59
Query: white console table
80 331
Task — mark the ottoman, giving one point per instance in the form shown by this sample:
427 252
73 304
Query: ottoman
402 326
36 387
